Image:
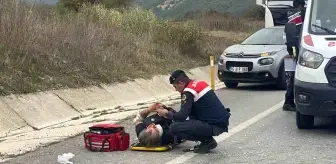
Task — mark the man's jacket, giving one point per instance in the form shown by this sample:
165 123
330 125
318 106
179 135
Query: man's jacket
295 16
200 102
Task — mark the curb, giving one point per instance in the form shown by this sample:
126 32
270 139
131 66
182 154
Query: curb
40 119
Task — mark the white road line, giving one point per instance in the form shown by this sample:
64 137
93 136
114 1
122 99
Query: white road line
232 131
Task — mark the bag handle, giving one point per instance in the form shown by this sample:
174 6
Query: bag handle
90 143
99 149
107 126
112 130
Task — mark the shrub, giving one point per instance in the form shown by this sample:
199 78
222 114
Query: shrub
77 4
213 20
46 50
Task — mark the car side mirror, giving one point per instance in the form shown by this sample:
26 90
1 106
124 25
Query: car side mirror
291 34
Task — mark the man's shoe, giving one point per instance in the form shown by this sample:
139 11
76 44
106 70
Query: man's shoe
192 149
206 146
288 107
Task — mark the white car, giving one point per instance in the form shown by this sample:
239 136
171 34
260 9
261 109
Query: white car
258 59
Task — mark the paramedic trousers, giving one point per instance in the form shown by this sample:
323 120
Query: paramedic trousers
195 130
289 97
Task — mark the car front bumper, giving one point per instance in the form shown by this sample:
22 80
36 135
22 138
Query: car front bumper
318 99
256 73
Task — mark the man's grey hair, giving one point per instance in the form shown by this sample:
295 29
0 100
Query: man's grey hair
148 140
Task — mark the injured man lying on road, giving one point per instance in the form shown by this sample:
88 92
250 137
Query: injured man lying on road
153 130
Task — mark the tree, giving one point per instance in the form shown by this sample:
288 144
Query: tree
118 3
76 4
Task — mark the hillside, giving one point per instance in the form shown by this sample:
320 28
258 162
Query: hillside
178 8
52 48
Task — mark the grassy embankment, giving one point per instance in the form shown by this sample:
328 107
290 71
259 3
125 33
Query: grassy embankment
41 49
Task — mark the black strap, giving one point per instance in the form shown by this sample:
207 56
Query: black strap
105 140
90 143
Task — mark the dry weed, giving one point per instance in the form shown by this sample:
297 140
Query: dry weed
41 49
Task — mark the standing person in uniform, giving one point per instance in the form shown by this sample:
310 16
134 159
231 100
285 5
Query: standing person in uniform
207 115
296 16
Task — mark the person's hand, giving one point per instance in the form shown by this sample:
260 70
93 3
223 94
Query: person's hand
162 112
290 56
154 107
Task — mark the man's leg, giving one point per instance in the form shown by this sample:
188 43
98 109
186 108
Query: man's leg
289 97
195 130
289 104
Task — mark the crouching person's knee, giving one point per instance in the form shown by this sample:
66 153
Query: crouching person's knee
175 128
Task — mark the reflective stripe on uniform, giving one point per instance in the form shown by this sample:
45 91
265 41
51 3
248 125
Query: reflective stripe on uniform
198 89
295 18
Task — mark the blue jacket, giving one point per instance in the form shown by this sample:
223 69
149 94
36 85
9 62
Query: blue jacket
295 16
200 102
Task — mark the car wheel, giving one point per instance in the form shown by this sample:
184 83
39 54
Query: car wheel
304 121
231 85
282 78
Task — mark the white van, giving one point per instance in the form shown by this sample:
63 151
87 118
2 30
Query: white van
315 77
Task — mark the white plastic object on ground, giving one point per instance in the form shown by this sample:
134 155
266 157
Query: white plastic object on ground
64 159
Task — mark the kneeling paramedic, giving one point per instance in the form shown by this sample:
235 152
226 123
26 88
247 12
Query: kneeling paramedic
151 129
207 115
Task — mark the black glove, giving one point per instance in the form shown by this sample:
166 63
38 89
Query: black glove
169 108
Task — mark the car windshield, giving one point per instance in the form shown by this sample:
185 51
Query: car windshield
323 17
266 36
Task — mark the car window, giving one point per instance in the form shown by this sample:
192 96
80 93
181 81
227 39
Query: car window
269 36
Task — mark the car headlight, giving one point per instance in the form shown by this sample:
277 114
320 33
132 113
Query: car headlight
268 54
266 61
310 59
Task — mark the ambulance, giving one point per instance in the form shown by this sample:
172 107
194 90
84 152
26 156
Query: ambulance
315 76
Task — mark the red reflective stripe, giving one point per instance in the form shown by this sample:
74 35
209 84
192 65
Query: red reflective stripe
197 86
297 20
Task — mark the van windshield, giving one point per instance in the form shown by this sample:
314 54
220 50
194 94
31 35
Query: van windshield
323 17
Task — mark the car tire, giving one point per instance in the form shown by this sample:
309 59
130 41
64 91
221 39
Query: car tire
304 121
282 78
231 85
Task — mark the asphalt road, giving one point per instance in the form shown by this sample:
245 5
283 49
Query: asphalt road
260 132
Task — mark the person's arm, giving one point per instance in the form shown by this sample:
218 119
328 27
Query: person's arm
141 116
187 101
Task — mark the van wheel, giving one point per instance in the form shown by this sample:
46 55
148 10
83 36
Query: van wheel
282 78
231 85
304 121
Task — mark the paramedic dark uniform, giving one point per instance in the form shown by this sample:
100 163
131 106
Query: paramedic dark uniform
295 16
207 115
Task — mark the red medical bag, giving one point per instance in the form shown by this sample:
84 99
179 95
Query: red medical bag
106 138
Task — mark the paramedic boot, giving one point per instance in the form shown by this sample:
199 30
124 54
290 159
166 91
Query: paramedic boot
206 146
289 107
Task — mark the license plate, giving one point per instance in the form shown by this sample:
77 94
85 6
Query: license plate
239 69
